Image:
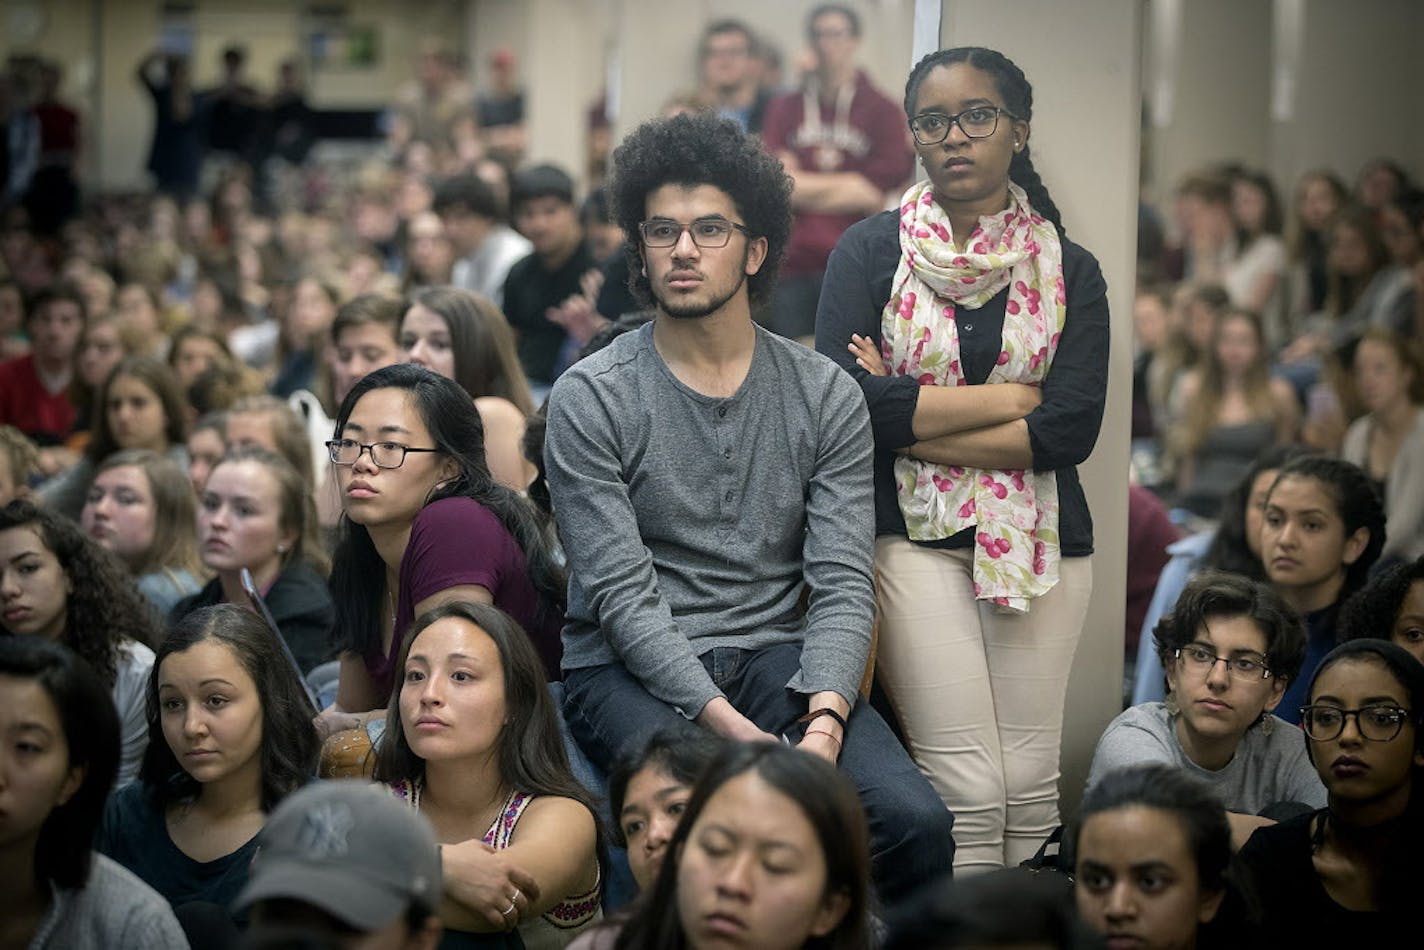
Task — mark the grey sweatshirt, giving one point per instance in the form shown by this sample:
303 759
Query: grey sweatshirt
692 522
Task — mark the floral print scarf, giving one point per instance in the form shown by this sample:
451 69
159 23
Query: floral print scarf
1014 513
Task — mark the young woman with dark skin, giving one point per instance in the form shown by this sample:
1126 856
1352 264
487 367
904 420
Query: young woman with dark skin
1152 848
979 424
1345 875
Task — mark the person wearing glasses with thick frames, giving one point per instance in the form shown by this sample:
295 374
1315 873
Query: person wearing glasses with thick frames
711 483
1229 648
979 335
425 524
1348 874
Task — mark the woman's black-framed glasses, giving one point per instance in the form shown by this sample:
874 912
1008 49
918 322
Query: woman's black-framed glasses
383 454
1376 723
980 122
706 232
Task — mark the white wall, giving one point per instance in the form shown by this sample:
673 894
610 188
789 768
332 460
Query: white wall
1078 54
1360 95
658 44
1355 93
1221 88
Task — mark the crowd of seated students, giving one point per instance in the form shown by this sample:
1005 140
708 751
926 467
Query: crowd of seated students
332 401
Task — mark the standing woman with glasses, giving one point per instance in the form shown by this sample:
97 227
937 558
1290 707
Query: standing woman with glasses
1349 874
979 334
424 525
1229 649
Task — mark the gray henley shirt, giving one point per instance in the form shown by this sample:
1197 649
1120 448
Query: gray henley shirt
692 522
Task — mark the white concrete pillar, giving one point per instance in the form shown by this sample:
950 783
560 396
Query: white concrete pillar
1084 62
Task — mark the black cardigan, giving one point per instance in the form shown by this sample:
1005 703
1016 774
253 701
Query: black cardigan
1062 430
299 602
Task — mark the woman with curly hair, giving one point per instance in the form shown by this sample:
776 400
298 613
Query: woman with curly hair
1391 607
57 583
978 333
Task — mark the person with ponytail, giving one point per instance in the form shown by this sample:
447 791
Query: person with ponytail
979 335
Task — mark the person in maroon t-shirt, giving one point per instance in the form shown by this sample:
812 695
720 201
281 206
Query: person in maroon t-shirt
845 144
34 389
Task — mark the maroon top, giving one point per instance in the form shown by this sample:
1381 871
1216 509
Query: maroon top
457 541
25 404
873 139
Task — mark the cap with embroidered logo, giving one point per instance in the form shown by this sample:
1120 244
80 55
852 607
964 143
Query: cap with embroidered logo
348 848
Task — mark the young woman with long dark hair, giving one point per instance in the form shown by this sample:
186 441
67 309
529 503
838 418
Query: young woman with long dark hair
230 736
1323 530
58 760
991 330
424 524
472 741
138 407
773 849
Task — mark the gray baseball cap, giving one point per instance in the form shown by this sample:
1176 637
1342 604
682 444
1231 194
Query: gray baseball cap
348 848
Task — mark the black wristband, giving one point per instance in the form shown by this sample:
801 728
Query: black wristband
823 711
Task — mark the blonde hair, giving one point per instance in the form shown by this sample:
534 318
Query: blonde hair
21 453
174 547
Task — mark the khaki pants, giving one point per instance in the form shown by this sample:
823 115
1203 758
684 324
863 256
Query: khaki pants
980 693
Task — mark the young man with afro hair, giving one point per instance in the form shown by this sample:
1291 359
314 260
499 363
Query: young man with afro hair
705 473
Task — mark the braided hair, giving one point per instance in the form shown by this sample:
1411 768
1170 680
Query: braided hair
1017 94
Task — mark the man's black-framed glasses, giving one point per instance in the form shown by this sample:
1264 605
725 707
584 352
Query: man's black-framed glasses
383 454
1200 660
1379 723
706 232
980 122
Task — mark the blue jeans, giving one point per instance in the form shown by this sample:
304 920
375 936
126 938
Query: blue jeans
910 829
